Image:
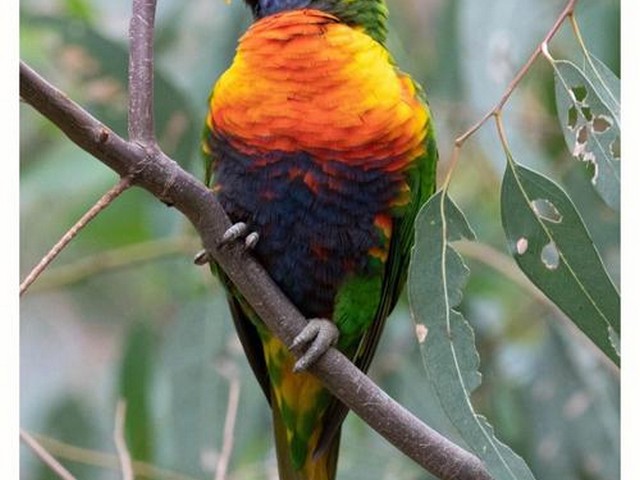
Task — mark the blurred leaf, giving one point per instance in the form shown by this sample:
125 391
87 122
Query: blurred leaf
573 405
194 394
81 9
589 113
496 38
99 66
553 248
436 278
69 420
135 381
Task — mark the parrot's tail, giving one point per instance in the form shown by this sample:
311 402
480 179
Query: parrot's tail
316 466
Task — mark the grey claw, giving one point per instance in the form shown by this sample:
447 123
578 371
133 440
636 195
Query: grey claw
251 240
234 232
202 258
237 231
321 334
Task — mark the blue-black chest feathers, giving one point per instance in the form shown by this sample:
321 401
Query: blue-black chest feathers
315 220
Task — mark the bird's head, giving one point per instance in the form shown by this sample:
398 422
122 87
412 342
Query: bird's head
371 15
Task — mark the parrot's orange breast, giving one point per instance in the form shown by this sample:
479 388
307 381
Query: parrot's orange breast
302 81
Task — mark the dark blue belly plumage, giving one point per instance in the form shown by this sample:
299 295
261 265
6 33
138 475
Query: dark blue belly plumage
314 230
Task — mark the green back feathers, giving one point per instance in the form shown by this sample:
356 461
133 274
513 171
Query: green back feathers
370 15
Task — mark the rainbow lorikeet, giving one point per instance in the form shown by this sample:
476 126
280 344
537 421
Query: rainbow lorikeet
317 142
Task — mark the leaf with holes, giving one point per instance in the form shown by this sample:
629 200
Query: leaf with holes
606 83
437 276
553 248
589 114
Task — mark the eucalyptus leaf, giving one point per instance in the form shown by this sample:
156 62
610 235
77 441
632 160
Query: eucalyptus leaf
135 388
491 51
437 276
573 402
194 394
98 68
553 248
589 115
605 82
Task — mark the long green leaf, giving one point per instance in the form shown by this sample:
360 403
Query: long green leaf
135 381
436 278
553 248
573 402
589 112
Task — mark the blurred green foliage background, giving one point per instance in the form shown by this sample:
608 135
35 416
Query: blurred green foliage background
123 312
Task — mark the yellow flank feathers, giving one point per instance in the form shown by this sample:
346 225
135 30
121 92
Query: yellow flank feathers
301 400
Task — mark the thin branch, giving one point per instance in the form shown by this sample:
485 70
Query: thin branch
161 176
141 124
45 456
105 460
120 442
229 425
93 212
567 12
118 258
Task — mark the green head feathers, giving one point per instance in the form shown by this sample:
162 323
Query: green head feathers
371 15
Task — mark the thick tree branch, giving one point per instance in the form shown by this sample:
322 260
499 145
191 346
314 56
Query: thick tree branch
152 170
141 125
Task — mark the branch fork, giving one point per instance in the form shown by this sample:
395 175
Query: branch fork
141 162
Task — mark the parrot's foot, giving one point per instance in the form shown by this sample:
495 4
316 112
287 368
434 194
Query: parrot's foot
233 233
237 231
320 334
202 257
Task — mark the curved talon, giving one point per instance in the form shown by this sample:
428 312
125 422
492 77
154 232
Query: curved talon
202 257
251 240
237 231
321 334
234 232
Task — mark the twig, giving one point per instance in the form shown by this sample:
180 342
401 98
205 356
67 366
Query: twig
141 124
229 426
120 441
105 460
461 139
100 205
106 261
45 456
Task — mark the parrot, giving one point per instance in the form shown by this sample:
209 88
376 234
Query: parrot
321 152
